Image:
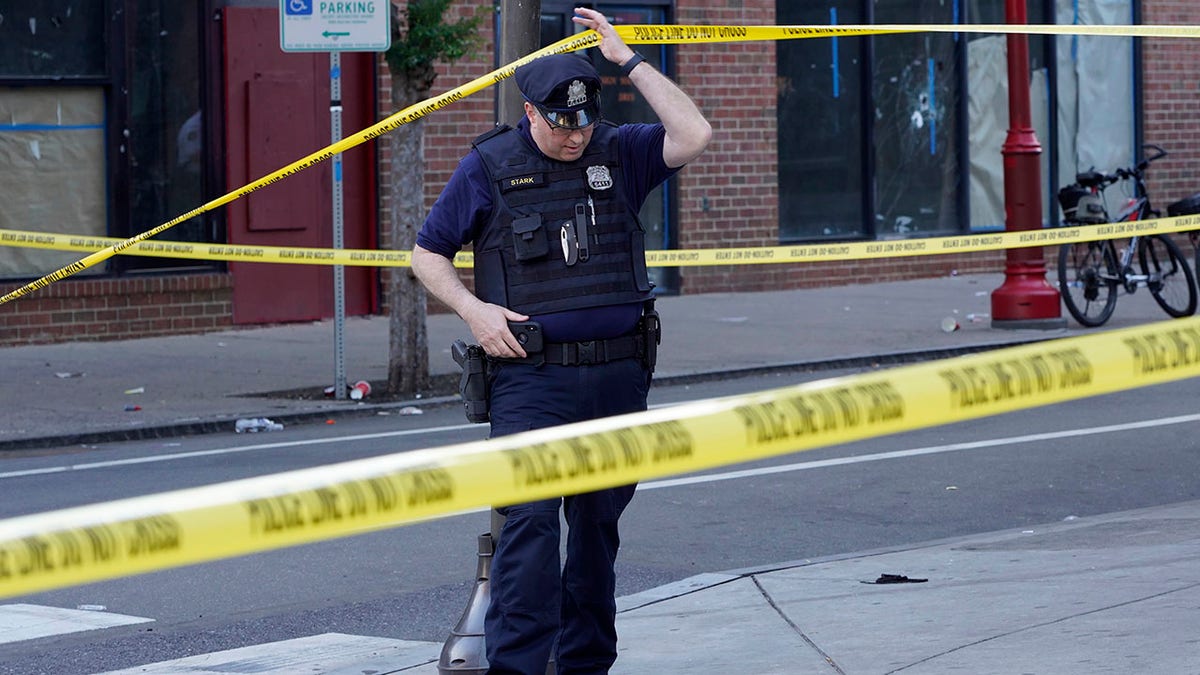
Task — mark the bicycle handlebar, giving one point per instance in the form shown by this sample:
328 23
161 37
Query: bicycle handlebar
1096 179
1159 153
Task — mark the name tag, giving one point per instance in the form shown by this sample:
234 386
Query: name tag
521 182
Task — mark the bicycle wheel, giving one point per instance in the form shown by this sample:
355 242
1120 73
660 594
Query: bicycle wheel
1171 280
1087 279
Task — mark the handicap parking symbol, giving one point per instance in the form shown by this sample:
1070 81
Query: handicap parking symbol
296 7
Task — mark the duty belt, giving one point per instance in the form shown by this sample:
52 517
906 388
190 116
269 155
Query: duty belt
594 351
642 344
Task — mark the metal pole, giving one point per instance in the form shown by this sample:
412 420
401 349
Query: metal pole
520 34
1024 300
339 271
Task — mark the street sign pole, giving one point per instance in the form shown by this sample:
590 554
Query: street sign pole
339 271
336 27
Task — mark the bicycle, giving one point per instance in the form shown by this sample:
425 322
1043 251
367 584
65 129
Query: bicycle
1092 273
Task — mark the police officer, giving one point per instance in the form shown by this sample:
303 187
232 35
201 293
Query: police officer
551 208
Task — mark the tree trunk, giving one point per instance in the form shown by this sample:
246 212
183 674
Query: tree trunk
408 343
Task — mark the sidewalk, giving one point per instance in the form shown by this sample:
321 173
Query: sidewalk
1113 594
68 394
1109 594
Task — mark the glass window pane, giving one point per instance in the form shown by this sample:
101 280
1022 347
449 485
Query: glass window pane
553 28
1095 91
53 38
820 127
166 139
915 88
987 122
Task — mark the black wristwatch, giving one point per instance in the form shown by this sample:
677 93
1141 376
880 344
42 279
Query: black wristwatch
631 64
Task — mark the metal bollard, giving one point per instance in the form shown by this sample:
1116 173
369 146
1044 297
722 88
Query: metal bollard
465 651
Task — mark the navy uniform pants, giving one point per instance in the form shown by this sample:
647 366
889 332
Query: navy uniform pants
532 603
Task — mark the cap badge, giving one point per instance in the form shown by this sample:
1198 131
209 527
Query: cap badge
599 178
576 94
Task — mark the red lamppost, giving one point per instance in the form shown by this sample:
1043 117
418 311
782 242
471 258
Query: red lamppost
1024 300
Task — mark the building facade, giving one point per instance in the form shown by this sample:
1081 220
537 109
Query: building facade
119 115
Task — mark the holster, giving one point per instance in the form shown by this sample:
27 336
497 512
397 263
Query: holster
650 328
474 384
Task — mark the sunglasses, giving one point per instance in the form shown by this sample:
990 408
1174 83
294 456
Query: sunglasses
570 121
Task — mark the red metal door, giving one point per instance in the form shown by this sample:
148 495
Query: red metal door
277 111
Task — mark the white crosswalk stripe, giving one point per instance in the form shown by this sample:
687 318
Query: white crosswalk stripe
325 653
28 622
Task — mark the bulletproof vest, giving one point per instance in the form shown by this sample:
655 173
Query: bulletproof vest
547 248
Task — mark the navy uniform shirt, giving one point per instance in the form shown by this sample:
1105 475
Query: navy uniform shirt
465 207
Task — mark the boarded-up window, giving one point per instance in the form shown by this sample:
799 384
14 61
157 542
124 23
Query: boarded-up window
52 170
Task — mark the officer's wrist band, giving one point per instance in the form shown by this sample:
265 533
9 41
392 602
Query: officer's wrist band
631 64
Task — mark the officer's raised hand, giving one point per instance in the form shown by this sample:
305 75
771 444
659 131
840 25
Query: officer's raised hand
611 45
687 132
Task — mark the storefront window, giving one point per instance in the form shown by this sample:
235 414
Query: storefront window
916 90
166 132
100 125
1096 93
820 126
988 124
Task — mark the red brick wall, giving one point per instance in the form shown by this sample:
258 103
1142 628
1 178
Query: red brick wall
729 196
1171 96
113 309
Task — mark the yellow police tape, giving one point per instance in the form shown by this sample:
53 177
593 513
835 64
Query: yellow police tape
633 34
796 253
91 543
654 34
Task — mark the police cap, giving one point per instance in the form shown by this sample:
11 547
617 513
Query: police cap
565 88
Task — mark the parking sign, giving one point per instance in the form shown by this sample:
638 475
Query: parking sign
343 26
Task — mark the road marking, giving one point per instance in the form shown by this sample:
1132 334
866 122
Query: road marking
28 622
224 451
916 452
314 654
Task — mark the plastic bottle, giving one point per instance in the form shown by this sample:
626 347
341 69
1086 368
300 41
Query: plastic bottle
257 424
